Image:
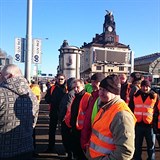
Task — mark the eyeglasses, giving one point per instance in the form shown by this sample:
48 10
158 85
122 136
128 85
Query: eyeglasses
61 79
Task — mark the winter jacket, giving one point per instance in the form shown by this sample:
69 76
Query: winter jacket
67 99
65 103
125 91
18 115
122 130
86 130
55 98
82 107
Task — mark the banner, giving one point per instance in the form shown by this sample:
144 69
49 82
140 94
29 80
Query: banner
37 50
19 50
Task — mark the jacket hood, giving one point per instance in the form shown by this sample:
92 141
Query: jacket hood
19 85
70 82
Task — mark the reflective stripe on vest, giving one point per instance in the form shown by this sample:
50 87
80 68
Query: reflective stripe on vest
101 141
144 110
81 113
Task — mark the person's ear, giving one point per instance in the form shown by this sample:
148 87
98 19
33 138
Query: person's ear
8 76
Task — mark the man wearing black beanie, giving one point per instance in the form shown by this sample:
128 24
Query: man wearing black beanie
113 127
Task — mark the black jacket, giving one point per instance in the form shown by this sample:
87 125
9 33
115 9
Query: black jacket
55 98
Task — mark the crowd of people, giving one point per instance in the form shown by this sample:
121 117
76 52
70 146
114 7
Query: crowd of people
106 118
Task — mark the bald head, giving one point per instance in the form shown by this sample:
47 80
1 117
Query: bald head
10 70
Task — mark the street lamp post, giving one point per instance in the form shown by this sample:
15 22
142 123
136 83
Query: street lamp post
28 57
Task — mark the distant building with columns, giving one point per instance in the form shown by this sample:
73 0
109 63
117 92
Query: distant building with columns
69 60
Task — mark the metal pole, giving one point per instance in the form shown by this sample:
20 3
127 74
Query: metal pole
28 57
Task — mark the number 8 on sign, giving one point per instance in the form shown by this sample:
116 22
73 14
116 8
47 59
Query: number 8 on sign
36 58
17 57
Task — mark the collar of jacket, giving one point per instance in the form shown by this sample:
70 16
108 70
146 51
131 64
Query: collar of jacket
151 93
111 102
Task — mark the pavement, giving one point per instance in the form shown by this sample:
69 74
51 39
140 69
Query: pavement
42 128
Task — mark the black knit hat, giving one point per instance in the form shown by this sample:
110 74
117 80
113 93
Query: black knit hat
98 77
112 84
146 83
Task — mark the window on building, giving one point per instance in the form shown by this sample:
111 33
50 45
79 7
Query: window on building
121 68
7 61
158 70
2 61
50 75
98 68
109 70
43 74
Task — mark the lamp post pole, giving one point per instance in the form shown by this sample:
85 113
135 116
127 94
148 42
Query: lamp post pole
28 57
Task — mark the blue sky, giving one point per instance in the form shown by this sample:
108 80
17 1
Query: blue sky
77 21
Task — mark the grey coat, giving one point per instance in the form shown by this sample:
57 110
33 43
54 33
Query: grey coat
18 115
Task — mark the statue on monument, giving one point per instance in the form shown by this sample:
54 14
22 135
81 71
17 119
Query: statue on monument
109 18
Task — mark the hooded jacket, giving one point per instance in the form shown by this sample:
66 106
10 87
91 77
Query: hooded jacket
67 99
18 115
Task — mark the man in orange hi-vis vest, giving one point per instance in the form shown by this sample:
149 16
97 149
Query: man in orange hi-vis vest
144 103
113 126
75 116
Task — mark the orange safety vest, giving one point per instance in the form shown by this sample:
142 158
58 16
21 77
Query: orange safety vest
101 141
143 111
81 113
51 91
159 115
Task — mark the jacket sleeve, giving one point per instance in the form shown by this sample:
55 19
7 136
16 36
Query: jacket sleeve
131 104
64 104
35 110
48 96
123 132
63 107
87 129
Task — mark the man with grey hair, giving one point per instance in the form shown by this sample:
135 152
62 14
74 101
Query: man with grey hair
18 115
74 118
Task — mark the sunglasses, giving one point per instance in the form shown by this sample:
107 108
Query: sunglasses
61 79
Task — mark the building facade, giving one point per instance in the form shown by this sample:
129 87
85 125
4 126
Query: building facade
105 54
149 65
